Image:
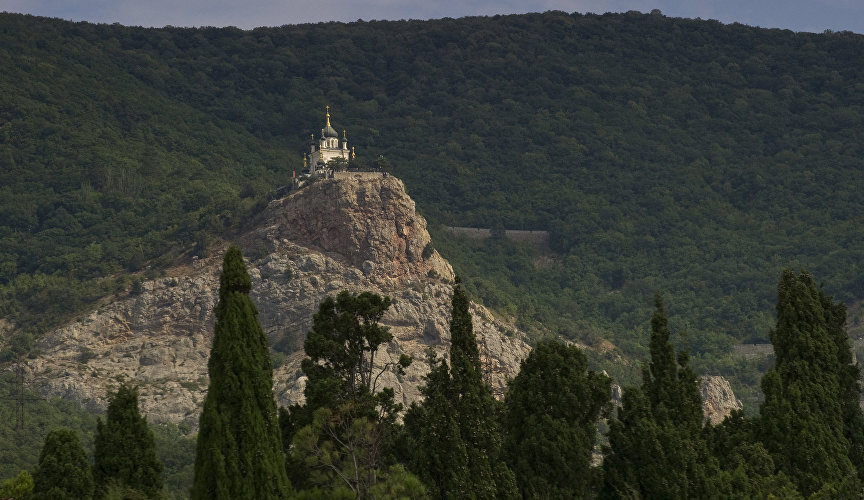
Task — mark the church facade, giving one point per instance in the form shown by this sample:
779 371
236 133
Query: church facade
329 148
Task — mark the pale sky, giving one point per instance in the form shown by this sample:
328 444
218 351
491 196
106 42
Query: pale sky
797 15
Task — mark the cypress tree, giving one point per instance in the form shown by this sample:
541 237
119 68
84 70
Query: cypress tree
239 454
806 392
747 469
440 456
848 374
463 398
552 408
671 385
656 445
635 465
63 471
124 451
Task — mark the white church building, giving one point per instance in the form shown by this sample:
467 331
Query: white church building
328 148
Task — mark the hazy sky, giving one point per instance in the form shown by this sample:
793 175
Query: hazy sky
798 15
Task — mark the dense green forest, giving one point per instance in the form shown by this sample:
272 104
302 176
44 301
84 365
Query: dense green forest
661 153
345 441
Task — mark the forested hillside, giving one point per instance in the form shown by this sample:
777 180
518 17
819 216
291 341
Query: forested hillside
662 154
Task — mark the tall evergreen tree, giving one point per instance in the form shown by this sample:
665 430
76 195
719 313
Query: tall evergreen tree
339 439
671 385
807 391
848 375
239 454
437 451
656 445
63 472
747 469
124 452
551 413
462 398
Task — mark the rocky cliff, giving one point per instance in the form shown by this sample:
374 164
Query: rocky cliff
356 232
718 400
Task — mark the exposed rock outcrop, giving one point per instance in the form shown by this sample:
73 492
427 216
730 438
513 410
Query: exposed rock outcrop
356 232
718 400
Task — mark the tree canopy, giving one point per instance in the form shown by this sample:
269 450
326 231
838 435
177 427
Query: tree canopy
550 422
124 451
458 435
340 441
656 445
63 471
239 452
803 420
659 153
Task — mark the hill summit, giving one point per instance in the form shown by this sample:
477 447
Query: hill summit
356 231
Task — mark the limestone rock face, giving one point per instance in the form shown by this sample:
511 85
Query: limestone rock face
356 232
368 223
718 400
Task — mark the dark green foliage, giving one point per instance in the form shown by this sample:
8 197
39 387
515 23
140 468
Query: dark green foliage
437 452
664 153
104 173
63 472
808 434
399 484
21 448
671 385
550 422
458 436
340 439
341 350
124 451
176 450
637 466
685 155
804 416
239 453
656 445
848 376
748 470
